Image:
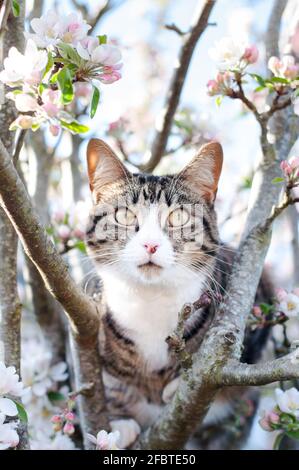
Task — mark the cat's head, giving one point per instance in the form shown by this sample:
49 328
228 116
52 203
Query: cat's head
153 229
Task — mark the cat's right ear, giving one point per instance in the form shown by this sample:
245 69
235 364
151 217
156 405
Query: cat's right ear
104 167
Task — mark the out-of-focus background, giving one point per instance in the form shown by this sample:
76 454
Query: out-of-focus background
127 116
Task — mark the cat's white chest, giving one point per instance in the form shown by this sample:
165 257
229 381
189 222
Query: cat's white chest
149 316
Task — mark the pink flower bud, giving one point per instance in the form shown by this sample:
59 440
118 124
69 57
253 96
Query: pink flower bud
68 429
286 168
257 312
213 88
69 416
251 54
56 419
280 294
273 417
264 423
64 232
294 162
274 65
54 129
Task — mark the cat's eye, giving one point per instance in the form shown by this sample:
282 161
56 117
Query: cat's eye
125 216
178 218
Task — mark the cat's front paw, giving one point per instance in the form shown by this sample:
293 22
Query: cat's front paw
169 390
128 429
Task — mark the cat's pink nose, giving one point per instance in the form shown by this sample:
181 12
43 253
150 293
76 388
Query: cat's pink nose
151 248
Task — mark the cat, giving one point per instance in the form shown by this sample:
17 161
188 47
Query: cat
155 244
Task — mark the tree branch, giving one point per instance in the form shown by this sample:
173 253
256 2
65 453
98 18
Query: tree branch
284 368
82 312
190 40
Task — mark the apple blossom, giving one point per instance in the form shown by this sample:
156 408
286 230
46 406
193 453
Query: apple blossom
290 169
290 305
8 435
288 401
51 102
104 440
68 429
38 373
221 85
64 232
268 419
284 67
9 381
27 67
251 54
230 53
50 28
54 129
23 121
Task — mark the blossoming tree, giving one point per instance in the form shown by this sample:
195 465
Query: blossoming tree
52 79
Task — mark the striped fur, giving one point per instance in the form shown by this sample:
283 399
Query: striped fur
141 301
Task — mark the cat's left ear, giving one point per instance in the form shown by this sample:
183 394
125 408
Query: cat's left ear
203 172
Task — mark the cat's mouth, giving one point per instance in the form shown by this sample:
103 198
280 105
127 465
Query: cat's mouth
150 268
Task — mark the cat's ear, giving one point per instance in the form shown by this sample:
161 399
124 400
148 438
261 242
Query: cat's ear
203 172
104 167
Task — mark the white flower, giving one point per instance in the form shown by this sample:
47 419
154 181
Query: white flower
37 372
25 102
288 401
74 28
8 407
50 28
105 441
9 381
290 305
25 67
104 54
8 435
227 53
46 29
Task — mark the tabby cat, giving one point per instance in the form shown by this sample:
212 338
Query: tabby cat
155 244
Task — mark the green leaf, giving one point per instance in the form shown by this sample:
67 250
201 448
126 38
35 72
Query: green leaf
258 79
21 411
49 65
80 245
42 86
278 179
54 77
70 54
277 441
56 396
259 88
15 8
94 102
64 79
293 435
285 81
75 127
266 308
219 100
102 39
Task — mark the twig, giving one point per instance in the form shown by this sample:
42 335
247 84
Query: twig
19 145
176 29
176 85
